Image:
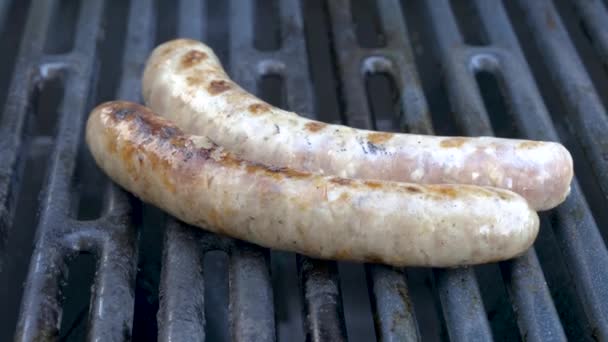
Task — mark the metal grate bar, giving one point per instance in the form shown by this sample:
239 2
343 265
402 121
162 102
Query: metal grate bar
322 300
462 89
536 314
4 7
541 304
595 14
192 19
181 314
15 109
111 313
248 66
181 317
111 237
458 61
395 59
573 84
390 299
575 228
251 308
182 280
395 318
41 308
522 93
453 285
139 41
462 305
586 256
253 315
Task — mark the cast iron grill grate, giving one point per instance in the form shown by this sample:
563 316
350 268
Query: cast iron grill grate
534 69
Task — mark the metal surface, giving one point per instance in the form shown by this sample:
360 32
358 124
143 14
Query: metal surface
461 62
465 311
111 238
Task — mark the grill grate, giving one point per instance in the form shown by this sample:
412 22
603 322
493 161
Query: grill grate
460 296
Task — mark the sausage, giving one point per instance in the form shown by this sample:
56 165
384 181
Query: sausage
185 82
322 216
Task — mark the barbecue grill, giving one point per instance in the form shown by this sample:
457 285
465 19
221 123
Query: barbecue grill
82 259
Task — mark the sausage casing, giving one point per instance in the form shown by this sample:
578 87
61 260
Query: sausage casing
330 217
185 82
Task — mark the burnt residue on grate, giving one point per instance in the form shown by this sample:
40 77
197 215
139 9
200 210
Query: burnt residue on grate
103 266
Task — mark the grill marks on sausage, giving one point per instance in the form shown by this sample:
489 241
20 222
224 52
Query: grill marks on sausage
218 86
258 108
447 192
166 51
194 80
454 142
171 144
192 58
341 181
529 145
314 126
346 254
135 157
413 189
142 117
275 172
373 184
377 138
287 172
171 141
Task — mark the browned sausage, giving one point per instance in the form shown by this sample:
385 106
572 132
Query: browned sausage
322 216
184 81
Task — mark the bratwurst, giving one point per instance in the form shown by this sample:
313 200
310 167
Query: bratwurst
329 217
185 82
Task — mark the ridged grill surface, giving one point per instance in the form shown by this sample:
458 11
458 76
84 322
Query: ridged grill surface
533 69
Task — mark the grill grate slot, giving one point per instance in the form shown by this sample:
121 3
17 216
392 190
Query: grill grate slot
271 89
396 60
267 25
317 29
11 30
324 59
492 95
469 23
75 292
561 285
182 310
215 271
383 101
356 306
63 21
594 15
367 24
19 242
474 119
585 111
58 236
590 38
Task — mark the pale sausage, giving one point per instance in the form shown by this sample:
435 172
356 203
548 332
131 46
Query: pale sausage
185 82
329 217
